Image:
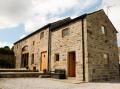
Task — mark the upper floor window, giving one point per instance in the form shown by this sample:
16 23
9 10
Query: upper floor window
33 42
41 35
17 46
56 57
65 32
103 29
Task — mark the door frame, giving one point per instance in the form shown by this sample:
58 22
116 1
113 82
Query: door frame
24 60
41 60
68 62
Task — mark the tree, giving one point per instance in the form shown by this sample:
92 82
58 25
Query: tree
6 50
6 47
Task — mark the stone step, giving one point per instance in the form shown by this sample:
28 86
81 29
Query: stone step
19 74
17 70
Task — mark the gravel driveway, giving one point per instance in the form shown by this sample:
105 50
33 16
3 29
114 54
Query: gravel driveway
38 83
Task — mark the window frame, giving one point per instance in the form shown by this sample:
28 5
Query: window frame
32 59
103 30
65 32
106 58
33 42
57 57
42 35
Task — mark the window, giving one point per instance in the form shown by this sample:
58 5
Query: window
103 30
32 60
94 70
56 57
65 32
106 58
33 42
17 46
90 32
106 41
41 35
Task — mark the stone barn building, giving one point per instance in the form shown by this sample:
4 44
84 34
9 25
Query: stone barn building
86 47
119 54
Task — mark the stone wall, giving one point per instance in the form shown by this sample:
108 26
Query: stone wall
62 45
99 44
119 54
39 46
100 48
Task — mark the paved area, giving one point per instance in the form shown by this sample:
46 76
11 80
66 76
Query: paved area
38 83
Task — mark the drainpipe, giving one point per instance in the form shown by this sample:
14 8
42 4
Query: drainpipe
49 50
83 49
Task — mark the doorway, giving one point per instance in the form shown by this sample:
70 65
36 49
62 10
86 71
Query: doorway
24 60
43 64
71 64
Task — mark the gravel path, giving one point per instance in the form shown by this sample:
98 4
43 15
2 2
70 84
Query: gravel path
38 83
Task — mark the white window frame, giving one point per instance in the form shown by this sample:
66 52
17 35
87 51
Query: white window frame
103 29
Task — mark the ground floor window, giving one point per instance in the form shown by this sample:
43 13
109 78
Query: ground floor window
56 57
32 60
106 59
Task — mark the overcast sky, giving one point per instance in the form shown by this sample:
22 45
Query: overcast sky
18 18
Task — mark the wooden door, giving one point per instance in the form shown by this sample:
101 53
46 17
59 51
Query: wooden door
71 64
43 65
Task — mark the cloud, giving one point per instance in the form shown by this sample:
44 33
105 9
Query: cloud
110 3
46 11
2 44
12 12
23 36
36 13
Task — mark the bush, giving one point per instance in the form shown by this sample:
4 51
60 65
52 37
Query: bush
6 63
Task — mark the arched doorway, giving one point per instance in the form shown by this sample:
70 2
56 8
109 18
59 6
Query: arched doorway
24 57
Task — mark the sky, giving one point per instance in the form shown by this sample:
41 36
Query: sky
18 18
